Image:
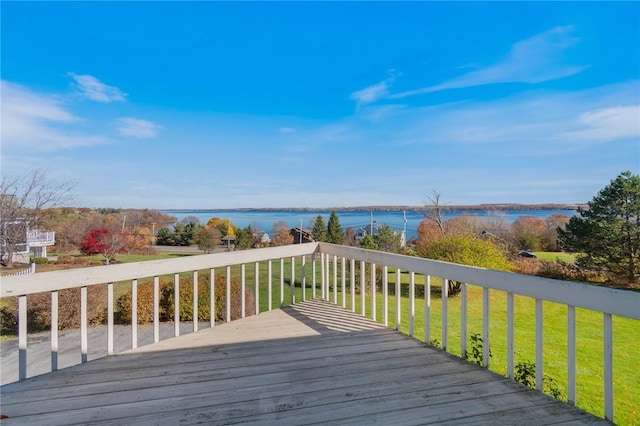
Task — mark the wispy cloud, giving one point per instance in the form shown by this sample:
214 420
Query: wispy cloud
608 123
373 93
95 90
286 130
137 128
537 59
39 122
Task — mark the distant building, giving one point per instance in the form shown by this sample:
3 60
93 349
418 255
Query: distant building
301 235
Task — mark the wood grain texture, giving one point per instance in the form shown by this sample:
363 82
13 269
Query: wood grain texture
310 363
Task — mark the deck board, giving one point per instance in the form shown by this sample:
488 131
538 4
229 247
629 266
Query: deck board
310 363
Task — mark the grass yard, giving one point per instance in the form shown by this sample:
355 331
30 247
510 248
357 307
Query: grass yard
556 256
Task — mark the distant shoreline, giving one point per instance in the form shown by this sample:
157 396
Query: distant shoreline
477 207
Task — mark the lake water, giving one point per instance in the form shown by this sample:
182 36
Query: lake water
264 219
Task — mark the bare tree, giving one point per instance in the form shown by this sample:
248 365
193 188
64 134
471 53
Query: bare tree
433 210
24 201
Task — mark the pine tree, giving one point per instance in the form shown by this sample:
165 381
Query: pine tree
335 233
607 233
319 230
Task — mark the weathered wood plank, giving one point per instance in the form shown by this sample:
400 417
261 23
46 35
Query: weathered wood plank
311 363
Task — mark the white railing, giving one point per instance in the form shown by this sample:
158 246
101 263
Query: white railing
30 270
339 266
39 238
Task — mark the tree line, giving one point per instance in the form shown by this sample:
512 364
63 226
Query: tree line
605 234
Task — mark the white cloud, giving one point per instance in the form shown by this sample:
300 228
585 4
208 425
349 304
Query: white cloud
39 122
537 59
371 93
137 128
95 90
286 130
608 123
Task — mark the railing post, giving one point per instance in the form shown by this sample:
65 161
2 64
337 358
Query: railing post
398 297
281 282
363 288
327 265
313 276
227 296
22 337
463 321
212 297
176 305
110 319
352 264
373 291
83 325
344 282
427 308
269 285
303 276
510 336
412 303
256 275
335 280
486 344
608 366
571 354
156 309
134 314
539 347
444 291
242 290
322 273
385 295
54 330
196 315
292 284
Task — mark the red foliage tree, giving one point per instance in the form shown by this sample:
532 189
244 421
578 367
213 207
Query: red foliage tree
92 242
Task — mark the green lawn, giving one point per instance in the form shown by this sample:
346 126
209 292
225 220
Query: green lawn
556 256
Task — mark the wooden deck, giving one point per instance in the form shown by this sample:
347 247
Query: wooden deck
310 363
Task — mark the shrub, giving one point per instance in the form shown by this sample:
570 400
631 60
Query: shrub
166 303
145 302
40 260
39 310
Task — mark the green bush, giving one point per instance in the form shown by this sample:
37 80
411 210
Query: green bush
40 260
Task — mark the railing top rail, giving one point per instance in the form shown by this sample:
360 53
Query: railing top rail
613 301
71 278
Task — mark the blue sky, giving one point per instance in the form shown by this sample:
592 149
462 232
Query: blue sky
239 104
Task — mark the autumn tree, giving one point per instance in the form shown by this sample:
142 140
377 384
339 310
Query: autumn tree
607 232
24 201
319 229
105 241
281 234
335 233
207 238
465 250
550 236
350 237
141 240
527 233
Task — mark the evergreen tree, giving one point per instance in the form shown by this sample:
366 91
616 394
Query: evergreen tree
387 239
335 233
319 230
607 233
